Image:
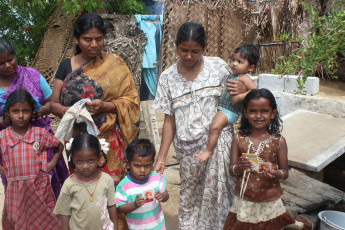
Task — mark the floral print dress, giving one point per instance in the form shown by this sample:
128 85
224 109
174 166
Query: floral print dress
206 188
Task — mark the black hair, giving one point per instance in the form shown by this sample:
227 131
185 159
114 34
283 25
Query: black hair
21 96
275 124
6 46
84 141
86 22
191 31
249 52
142 147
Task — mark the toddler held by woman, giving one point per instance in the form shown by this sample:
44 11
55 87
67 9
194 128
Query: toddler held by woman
243 62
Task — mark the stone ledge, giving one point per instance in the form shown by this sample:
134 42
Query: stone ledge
287 83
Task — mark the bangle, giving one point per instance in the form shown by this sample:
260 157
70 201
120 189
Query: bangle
233 171
160 162
63 111
282 174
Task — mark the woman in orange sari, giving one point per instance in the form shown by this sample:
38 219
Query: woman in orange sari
107 82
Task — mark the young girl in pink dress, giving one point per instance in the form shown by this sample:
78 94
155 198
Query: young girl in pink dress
29 198
258 204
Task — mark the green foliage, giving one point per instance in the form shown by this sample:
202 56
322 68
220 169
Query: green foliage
126 6
24 24
110 6
318 55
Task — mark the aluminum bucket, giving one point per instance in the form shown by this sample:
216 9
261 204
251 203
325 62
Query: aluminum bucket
332 220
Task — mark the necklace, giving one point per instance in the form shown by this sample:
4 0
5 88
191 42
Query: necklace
92 199
2 86
261 146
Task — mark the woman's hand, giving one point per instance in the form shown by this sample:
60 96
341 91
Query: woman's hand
235 87
96 106
159 167
44 110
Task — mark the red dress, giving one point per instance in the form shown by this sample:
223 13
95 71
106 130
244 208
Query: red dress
29 198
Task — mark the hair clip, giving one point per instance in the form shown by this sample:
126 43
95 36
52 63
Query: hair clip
104 145
69 144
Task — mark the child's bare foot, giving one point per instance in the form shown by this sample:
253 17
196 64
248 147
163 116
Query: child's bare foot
204 156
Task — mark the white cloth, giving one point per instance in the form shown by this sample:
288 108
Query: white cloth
255 212
76 113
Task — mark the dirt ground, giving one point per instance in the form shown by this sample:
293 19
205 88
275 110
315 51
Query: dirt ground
332 90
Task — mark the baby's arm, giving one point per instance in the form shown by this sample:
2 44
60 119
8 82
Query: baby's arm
249 84
57 154
218 123
113 215
65 222
130 207
161 196
282 172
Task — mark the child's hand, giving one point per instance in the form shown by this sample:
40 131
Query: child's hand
274 174
204 156
50 166
244 163
159 196
139 200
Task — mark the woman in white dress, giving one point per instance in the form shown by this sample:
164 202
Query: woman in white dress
188 94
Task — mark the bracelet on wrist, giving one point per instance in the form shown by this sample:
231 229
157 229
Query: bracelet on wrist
282 174
233 171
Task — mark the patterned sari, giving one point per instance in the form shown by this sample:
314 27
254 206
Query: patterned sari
107 78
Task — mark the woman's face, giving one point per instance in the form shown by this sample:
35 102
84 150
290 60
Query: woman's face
190 53
8 65
91 43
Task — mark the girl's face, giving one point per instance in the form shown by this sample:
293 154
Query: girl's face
240 65
140 167
91 43
85 162
190 53
20 115
259 113
8 65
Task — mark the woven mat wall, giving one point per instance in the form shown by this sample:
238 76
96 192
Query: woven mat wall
56 43
128 41
226 24
123 39
229 25
275 19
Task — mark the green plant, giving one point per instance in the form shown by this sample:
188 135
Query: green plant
111 6
24 24
319 55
